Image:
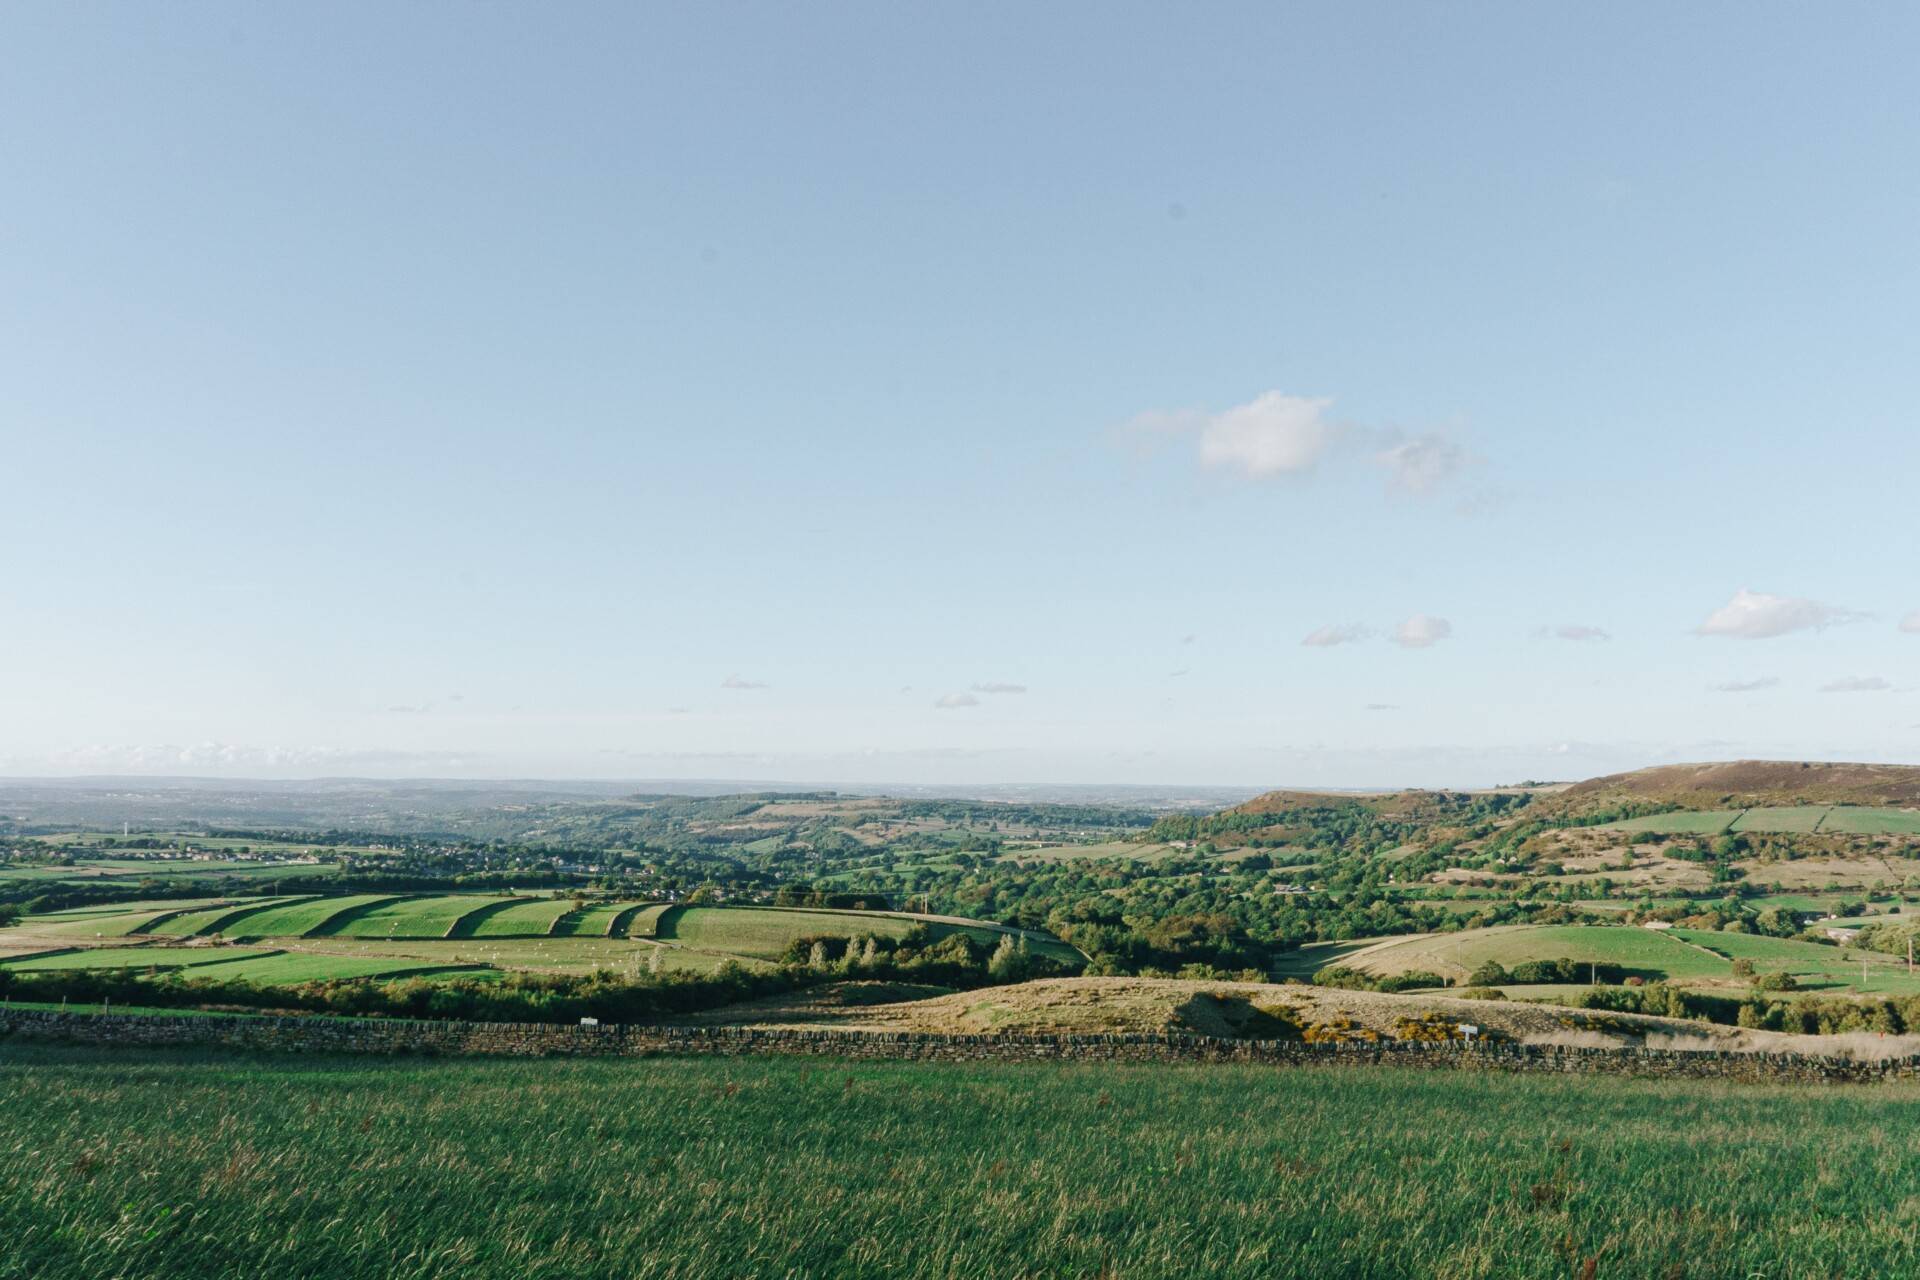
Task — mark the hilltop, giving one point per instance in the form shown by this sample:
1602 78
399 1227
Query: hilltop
1746 784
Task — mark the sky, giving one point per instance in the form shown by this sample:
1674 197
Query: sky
1260 394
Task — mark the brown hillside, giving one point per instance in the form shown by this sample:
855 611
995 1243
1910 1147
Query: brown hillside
1742 784
1099 1006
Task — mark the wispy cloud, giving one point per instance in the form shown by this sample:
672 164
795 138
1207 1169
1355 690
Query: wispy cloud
953 701
1421 632
1327 637
1422 464
1274 434
1746 686
1754 615
228 758
1857 684
404 710
1575 631
736 682
1383 706
998 686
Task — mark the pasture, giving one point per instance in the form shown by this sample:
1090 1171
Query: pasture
595 922
301 918
382 935
132 958
640 921
1790 819
185 1163
526 918
434 917
212 920
287 968
766 933
1812 965
1688 823
1456 955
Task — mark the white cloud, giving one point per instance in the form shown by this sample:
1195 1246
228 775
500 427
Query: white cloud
1421 632
1423 463
1277 435
1383 706
1857 684
1747 686
1327 637
1576 631
998 686
735 682
1911 623
949 701
1754 615
1273 435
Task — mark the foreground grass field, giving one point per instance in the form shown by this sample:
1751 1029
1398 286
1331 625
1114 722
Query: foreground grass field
134 1163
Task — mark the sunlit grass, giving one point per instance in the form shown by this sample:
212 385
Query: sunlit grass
135 1163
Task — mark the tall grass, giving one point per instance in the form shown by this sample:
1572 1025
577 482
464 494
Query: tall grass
193 1164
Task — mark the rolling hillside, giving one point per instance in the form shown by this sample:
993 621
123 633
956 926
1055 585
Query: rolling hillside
1746 784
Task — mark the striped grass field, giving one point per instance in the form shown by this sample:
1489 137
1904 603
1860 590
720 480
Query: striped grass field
134 958
765 933
641 921
528 919
304 917
595 922
143 1163
421 917
1458 954
212 920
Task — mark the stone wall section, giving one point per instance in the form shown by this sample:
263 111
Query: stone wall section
535 1039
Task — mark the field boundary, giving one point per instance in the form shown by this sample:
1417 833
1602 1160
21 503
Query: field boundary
508 1039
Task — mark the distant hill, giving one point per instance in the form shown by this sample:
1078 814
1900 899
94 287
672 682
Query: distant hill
1411 805
1745 784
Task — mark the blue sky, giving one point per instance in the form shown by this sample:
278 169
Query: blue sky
772 391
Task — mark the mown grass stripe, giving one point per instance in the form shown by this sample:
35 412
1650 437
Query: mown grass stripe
340 919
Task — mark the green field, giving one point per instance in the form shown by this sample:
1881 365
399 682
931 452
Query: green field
1458 954
131 958
212 920
431 917
304 917
640 922
1873 822
179 1163
119 922
1674 824
765 933
1800 819
290 967
1811 964
594 922
524 919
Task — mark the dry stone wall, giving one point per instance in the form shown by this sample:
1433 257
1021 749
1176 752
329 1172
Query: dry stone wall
382 1036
